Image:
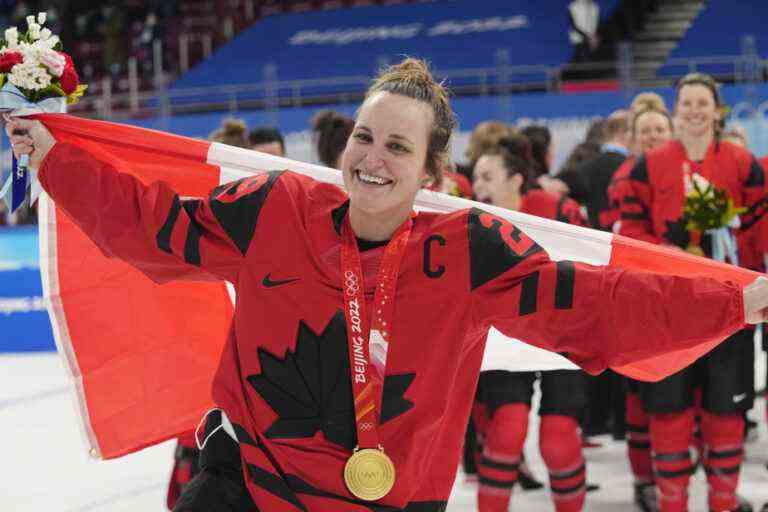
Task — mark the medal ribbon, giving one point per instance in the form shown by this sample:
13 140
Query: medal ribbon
368 342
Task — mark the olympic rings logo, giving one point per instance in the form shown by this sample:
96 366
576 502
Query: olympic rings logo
350 282
366 426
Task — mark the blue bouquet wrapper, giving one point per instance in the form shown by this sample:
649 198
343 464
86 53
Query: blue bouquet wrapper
12 100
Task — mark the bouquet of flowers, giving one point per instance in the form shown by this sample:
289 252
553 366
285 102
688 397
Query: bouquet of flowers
35 76
34 63
708 209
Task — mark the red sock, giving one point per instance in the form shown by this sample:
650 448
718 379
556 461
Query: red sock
181 473
560 446
638 439
499 462
670 440
724 438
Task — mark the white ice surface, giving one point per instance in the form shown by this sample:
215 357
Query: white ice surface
45 466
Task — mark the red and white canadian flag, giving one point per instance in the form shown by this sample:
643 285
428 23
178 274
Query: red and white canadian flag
142 356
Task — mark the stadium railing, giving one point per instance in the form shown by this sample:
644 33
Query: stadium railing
103 102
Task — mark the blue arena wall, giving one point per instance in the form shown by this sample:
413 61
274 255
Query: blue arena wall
24 324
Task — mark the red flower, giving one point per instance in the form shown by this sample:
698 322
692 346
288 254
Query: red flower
8 60
67 58
69 79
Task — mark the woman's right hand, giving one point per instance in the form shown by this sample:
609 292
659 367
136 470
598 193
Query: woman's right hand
29 137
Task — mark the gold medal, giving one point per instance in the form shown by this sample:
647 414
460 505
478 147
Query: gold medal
369 474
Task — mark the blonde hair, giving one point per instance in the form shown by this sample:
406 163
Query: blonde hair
646 102
486 136
232 132
412 78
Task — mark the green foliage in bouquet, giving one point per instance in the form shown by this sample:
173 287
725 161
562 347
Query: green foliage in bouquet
707 207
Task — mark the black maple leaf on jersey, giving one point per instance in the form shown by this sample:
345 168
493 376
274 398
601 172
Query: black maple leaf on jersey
310 389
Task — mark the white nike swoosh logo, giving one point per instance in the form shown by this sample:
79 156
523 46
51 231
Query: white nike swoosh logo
739 398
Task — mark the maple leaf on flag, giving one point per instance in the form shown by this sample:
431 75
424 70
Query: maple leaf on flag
310 389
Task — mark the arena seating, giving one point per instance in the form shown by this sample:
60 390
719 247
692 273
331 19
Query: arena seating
462 34
719 31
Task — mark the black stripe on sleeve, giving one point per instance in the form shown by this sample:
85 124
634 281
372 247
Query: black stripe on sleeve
192 244
163 238
634 216
566 275
528 294
756 176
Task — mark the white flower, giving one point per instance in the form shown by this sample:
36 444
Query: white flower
701 182
34 31
30 76
51 41
12 37
45 34
53 61
41 18
30 20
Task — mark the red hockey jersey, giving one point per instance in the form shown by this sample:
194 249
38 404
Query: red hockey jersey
753 237
620 189
652 208
284 376
551 206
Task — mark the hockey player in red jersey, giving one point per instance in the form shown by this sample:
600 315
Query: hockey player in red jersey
348 373
503 177
653 212
651 127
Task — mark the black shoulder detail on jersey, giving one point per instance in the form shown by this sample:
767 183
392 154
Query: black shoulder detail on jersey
756 176
192 243
337 216
495 246
640 171
163 237
237 205
310 389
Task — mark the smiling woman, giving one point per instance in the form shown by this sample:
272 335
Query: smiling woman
400 141
359 329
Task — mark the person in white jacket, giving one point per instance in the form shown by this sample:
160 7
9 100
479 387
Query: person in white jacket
584 16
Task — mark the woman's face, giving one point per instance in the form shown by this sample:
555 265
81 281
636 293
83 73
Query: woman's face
652 129
384 161
492 183
696 112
